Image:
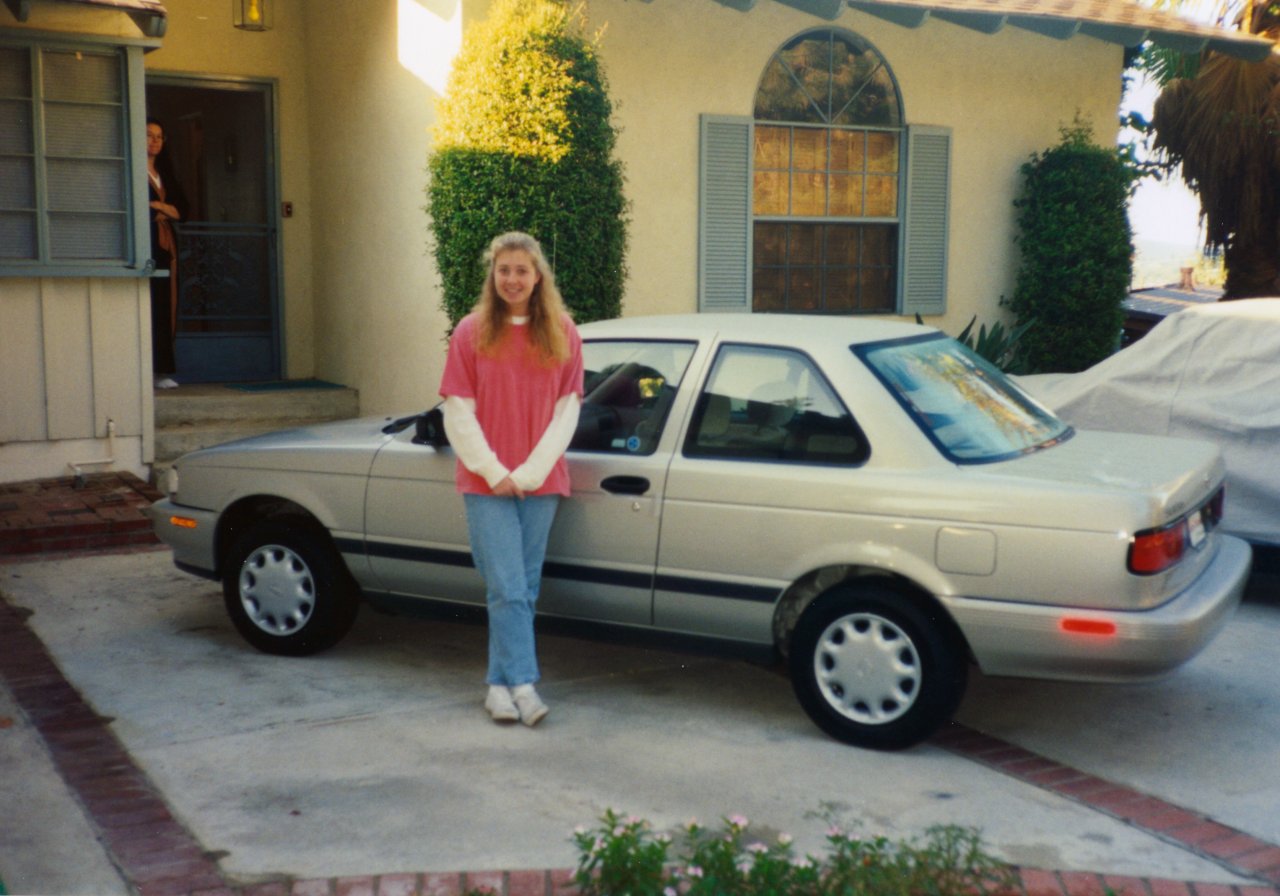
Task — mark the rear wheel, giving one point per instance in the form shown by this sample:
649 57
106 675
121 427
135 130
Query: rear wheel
876 667
286 590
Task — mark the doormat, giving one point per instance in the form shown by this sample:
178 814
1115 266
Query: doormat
284 385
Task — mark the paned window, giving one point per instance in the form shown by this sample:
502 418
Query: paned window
827 168
823 200
65 184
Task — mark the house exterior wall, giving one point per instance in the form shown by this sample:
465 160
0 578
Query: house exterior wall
77 390
1004 96
356 84
376 68
75 368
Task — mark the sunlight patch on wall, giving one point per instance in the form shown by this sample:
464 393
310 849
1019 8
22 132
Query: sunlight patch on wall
428 36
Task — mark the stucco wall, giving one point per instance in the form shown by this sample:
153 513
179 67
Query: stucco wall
376 68
200 40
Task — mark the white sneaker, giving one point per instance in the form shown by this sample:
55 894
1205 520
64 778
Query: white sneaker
166 382
500 706
532 709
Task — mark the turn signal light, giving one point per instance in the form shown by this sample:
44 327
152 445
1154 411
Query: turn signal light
182 522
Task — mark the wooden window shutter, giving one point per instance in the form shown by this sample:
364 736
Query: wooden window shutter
724 214
922 282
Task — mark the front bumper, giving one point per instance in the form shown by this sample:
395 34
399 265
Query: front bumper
1028 639
190 532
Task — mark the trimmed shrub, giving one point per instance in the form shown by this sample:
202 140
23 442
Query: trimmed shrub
524 141
1077 251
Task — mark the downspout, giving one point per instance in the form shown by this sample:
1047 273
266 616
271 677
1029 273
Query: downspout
107 461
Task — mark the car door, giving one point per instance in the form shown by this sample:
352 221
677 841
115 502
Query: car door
768 436
603 546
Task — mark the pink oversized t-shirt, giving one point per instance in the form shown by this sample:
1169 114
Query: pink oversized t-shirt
515 397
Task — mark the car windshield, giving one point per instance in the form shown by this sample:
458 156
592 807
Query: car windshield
965 405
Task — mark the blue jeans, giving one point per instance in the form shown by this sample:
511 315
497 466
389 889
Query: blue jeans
508 544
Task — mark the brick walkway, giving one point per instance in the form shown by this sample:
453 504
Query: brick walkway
159 857
97 512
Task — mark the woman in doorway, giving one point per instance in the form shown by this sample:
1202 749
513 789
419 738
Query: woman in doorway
513 387
166 208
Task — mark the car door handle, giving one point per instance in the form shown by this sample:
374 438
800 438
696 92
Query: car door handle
625 485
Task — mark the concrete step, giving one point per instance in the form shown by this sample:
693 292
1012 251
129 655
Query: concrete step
203 404
198 416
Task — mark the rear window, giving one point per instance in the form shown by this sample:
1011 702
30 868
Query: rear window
966 406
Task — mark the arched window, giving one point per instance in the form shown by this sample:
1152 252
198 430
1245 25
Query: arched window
827 163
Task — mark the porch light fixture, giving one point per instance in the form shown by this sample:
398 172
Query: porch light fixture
251 15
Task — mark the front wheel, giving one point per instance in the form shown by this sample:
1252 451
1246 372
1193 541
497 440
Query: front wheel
286 590
876 667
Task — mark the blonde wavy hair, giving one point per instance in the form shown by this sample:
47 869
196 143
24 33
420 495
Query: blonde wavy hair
547 310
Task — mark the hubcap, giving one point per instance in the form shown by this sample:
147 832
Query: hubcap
867 668
276 590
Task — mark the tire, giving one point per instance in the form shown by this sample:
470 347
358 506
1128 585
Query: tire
287 590
876 667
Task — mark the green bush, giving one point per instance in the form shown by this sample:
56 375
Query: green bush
1077 251
524 141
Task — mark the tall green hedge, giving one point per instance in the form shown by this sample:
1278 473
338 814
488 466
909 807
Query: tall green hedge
1077 248
524 141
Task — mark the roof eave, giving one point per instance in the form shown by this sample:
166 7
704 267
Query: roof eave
914 14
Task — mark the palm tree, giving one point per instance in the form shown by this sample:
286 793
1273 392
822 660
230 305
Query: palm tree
1219 118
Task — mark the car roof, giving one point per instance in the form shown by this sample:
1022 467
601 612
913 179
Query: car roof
797 329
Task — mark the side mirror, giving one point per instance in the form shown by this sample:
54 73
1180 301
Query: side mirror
429 429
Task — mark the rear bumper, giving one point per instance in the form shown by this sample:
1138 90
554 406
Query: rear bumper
1028 640
190 532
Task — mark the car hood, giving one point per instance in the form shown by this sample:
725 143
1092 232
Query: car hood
1169 476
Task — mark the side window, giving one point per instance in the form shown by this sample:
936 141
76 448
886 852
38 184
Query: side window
627 393
772 404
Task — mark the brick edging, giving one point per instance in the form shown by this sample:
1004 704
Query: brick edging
1232 849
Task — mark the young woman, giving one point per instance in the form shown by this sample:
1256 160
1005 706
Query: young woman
512 387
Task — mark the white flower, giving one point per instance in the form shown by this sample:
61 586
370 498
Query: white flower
739 821
785 839
693 871
757 848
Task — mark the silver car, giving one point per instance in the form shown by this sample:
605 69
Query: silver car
866 499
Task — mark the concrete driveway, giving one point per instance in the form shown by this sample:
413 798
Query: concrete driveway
377 758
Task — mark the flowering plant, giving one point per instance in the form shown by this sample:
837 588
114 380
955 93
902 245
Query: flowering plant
623 856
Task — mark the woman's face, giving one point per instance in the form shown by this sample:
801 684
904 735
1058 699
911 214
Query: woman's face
515 276
155 140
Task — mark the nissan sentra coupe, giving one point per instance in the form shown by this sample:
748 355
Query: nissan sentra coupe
867 499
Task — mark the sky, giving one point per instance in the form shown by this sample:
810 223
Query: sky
1164 214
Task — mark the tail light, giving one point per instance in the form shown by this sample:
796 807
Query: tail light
1155 550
